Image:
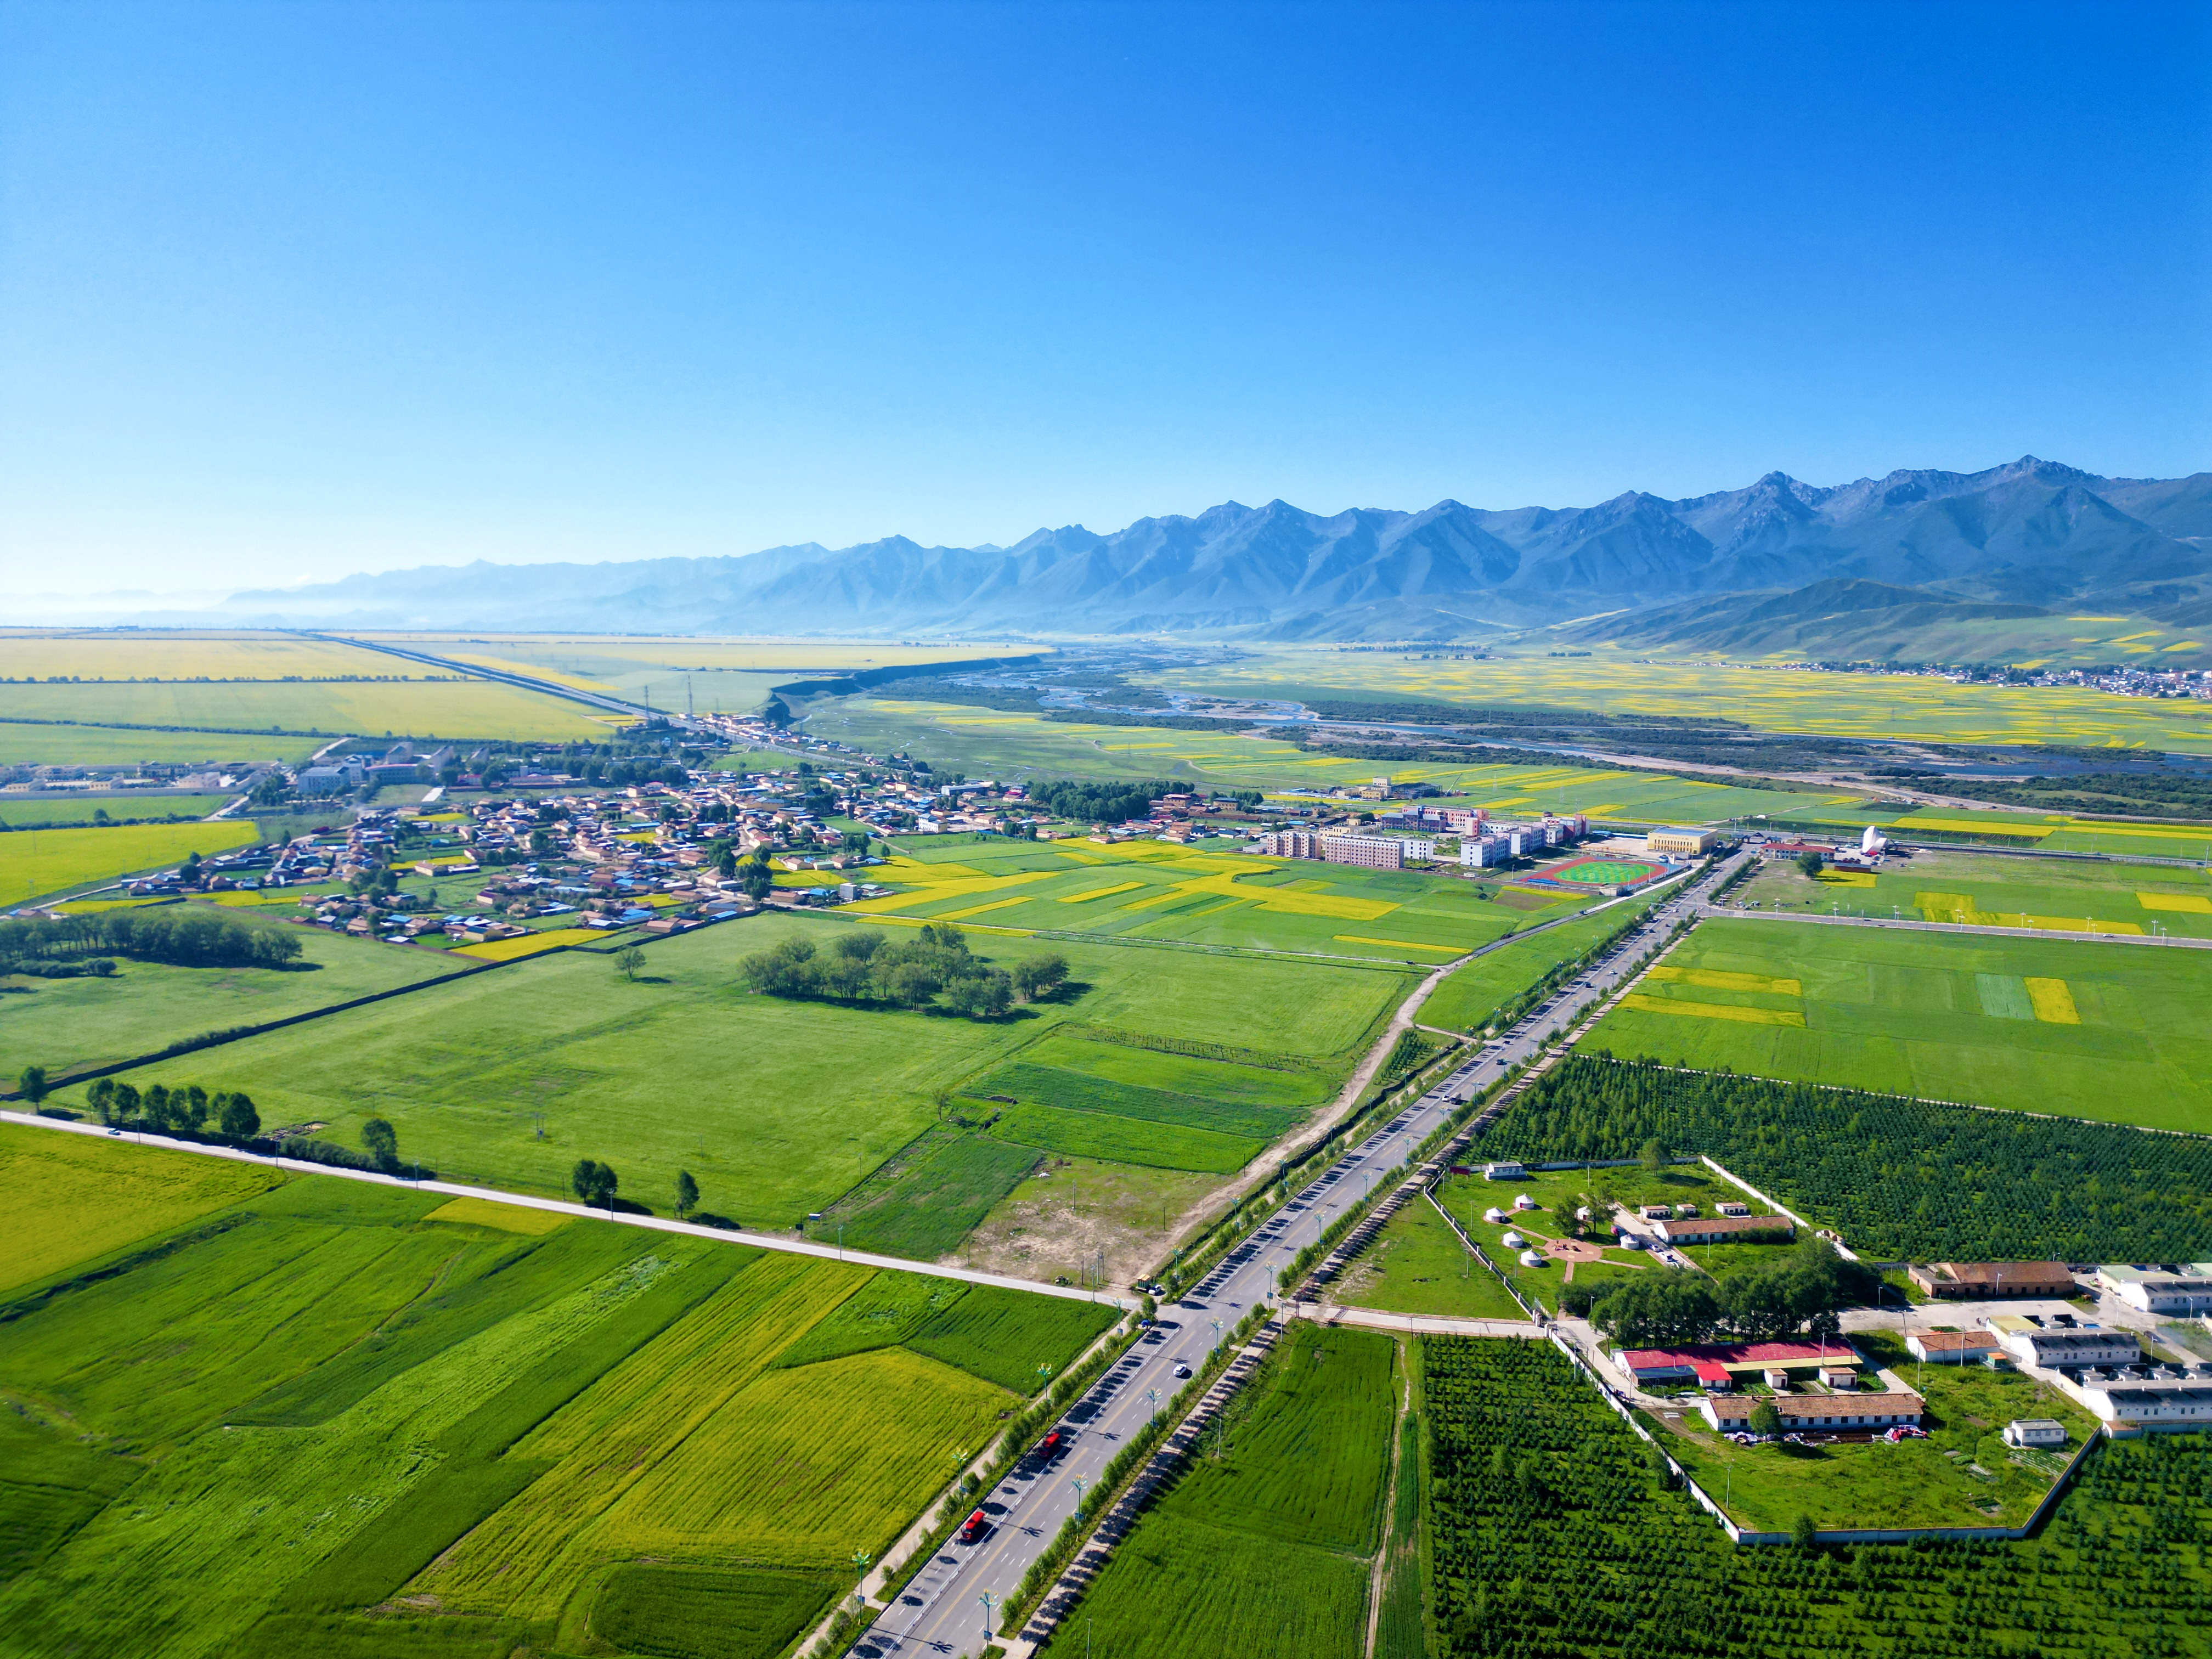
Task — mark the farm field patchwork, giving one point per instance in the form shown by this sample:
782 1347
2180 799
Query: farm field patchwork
1534 1482
642 1073
144 1007
35 863
1613 680
1012 744
444 707
1264 1544
89 654
1986 892
2039 1023
340 1396
1157 890
1472 995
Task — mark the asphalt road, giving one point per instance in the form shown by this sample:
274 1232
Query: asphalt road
941 1611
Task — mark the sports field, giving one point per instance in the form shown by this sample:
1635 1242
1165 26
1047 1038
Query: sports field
991 743
1155 890
144 1007
2079 1028
1597 873
325 1398
776 1107
450 708
1265 1542
34 863
1612 680
1982 890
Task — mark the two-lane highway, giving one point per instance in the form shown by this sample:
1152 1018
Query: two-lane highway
943 1610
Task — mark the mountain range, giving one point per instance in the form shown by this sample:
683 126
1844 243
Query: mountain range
2031 534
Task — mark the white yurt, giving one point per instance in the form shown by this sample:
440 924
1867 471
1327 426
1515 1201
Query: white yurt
1523 1202
1513 1241
1532 1259
1494 1216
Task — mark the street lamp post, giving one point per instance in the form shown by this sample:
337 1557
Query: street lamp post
990 1603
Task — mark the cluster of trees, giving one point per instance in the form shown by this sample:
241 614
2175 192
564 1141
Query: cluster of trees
751 873
865 967
1100 803
1984 1186
594 1181
161 1107
1801 1293
187 936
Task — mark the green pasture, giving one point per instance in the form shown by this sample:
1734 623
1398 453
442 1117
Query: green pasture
1618 681
2036 895
2041 1022
1962 1475
985 742
38 863
1156 890
120 809
1417 1265
309 1402
775 1107
1471 994
1265 1542
33 743
457 709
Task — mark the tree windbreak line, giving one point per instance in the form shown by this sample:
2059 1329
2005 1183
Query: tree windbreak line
158 1109
1900 1179
1100 803
183 936
934 969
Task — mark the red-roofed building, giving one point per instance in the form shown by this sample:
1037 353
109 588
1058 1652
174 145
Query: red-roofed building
1715 1365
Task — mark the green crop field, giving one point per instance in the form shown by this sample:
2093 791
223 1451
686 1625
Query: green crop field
35 863
143 1007
1982 890
1472 995
1553 1536
1962 1475
120 809
29 743
936 1193
1115 1140
1613 680
998 744
1144 889
1015 1340
1417 1265
73 1198
1086 1091
1264 1544
313 1399
455 708
133 654
775 1107
2040 1023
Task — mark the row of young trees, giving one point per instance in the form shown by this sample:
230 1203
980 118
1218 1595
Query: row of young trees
595 1182
865 967
159 1108
185 936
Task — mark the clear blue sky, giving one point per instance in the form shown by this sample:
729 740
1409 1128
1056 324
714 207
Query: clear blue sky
294 290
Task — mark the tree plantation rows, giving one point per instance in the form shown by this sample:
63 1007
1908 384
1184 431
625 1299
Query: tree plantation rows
1901 1179
1555 1536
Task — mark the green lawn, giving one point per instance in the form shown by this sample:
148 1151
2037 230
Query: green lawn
1263 1546
1417 1266
1962 1475
146 1006
2041 1024
321 1399
775 1107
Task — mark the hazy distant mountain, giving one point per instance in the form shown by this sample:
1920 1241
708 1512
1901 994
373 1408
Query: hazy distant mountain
2032 533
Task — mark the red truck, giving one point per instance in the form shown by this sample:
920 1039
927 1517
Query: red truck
975 1527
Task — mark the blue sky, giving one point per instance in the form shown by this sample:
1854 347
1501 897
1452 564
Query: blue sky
291 290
